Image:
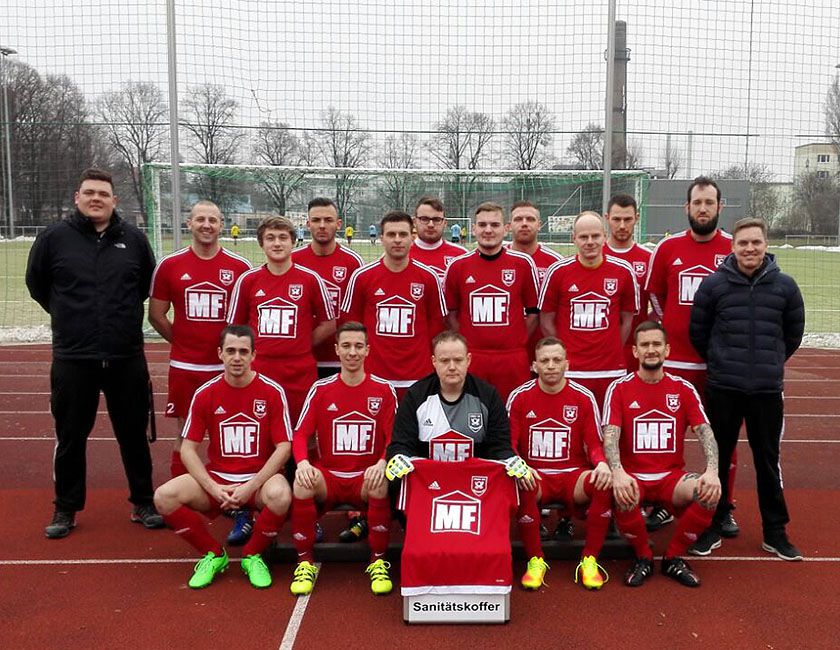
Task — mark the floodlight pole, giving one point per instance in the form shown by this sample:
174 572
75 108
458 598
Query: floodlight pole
608 111
174 149
4 52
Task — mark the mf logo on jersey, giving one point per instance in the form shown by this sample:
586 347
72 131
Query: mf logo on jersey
654 432
672 402
339 273
226 277
478 485
239 437
456 512
374 404
277 318
590 311
260 407
451 447
508 277
295 291
689 280
549 440
489 306
205 302
395 317
417 290
353 435
640 269
570 412
610 286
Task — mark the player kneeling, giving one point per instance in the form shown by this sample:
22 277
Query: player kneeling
351 414
645 417
554 426
246 419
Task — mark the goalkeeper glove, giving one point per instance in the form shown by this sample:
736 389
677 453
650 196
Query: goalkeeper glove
517 468
398 467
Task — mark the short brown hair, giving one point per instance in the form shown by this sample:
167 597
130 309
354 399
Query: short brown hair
750 222
96 174
275 223
432 201
489 206
205 203
351 326
701 182
649 326
549 340
395 216
623 201
243 331
448 336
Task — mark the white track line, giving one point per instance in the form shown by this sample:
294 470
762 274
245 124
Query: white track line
295 620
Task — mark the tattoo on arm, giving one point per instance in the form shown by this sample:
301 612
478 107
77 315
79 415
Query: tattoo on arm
710 448
611 435
689 476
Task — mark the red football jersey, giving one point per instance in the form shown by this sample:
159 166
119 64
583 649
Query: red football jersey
199 291
555 433
638 257
543 257
677 267
352 424
437 256
587 305
243 425
458 532
402 312
334 270
653 419
282 309
491 295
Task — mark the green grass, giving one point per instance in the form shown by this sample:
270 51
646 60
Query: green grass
816 272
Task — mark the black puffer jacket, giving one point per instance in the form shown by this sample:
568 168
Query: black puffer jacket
93 285
747 327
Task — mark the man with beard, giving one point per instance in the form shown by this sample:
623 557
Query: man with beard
429 247
677 267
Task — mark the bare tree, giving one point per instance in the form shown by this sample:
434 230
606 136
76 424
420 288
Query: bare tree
461 138
277 145
587 147
528 135
817 200
134 124
398 152
635 155
764 202
674 159
832 113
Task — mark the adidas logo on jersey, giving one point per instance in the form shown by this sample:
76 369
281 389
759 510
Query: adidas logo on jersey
260 292
574 287
434 486
634 405
526 519
299 536
428 422
379 528
531 414
606 514
470 280
219 411
676 262
379 292
186 276
332 407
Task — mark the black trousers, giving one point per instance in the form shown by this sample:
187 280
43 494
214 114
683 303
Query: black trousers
75 386
764 417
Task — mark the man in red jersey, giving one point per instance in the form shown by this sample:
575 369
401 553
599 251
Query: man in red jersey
588 301
555 428
645 418
333 263
246 421
288 308
677 267
491 294
429 248
351 416
400 303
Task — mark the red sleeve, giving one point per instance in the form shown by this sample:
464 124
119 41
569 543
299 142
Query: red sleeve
592 431
656 283
514 415
613 413
239 303
305 426
530 296
279 424
353 305
196 426
322 305
630 294
693 407
452 287
389 408
161 289
550 292
436 305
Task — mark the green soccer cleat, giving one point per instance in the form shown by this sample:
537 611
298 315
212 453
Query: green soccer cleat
254 567
535 573
207 568
380 581
305 575
590 573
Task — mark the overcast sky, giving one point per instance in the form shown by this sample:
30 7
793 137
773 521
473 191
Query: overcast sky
400 64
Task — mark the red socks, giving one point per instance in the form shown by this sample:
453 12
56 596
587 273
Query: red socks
632 526
266 527
528 519
598 519
303 527
379 523
690 525
188 525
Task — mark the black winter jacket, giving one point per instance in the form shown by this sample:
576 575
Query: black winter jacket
93 285
747 327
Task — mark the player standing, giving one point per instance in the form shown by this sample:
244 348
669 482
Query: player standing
288 308
491 294
429 248
244 416
351 415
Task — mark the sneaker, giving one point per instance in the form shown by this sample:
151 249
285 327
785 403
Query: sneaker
254 567
358 529
319 532
728 527
678 569
304 579
706 543
534 574
783 548
545 533
565 530
148 516
62 523
641 570
380 581
590 572
658 518
207 568
243 526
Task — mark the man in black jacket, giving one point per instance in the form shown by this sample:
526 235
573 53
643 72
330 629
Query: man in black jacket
747 320
92 272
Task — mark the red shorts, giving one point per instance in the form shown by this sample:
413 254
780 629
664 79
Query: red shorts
696 378
505 369
182 387
661 491
560 488
342 490
295 374
597 386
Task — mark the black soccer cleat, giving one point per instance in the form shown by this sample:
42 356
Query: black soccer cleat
641 570
678 569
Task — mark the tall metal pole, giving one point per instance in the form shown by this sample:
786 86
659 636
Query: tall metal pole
608 108
4 52
174 149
